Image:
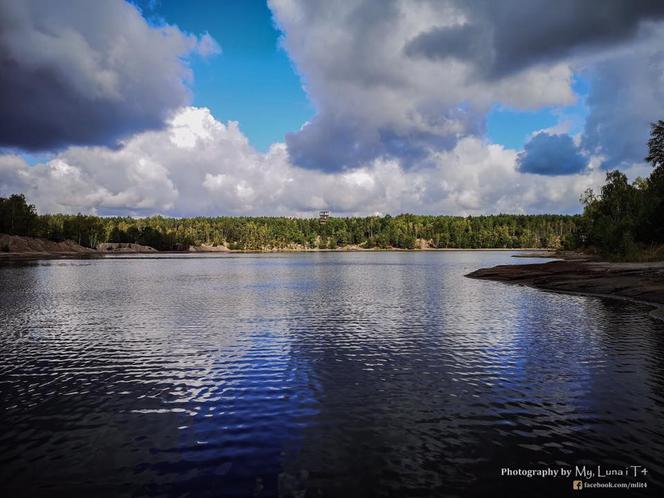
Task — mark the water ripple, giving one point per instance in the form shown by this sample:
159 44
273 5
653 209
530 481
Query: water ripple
384 374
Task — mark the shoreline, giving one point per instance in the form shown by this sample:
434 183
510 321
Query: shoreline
641 283
94 254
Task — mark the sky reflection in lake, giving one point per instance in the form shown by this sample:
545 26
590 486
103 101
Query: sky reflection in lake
375 374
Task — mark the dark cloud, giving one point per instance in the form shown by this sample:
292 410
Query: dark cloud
387 79
80 72
547 154
627 94
464 42
507 36
331 142
369 105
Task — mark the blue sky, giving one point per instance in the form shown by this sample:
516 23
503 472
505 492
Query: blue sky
513 128
252 81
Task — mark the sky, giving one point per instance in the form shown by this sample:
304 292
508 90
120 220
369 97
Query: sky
264 93
286 107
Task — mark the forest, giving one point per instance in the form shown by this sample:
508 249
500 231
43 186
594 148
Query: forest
404 231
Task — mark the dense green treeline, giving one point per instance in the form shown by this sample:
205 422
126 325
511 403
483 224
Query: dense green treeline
623 220
264 233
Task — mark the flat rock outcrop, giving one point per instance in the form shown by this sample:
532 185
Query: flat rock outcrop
208 248
122 247
637 281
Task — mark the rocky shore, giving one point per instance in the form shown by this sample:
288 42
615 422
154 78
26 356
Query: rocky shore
641 282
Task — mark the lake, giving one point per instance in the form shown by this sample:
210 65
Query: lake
338 374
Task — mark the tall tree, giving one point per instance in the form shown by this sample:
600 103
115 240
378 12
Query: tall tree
656 144
653 222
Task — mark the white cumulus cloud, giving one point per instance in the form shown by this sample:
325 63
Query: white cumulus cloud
200 166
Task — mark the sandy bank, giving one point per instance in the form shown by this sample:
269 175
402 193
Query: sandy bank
13 246
353 248
208 248
641 282
124 247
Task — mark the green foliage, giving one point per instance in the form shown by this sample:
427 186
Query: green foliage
656 144
17 217
266 233
625 219
613 215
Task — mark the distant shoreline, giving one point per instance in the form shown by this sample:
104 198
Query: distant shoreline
92 254
30 248
642 283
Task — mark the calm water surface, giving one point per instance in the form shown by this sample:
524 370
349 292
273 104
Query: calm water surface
359 374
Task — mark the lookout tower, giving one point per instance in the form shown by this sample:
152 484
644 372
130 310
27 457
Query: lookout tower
323 216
